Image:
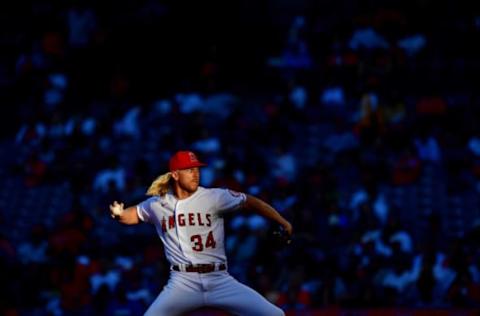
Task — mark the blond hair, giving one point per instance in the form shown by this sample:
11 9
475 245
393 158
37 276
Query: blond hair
160 185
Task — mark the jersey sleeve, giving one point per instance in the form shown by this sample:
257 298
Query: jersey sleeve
228 200
144 210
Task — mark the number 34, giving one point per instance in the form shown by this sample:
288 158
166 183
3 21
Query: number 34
198 243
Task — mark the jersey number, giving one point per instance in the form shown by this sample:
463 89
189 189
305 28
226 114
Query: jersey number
198 244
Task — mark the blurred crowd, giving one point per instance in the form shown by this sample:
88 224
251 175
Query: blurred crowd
359 123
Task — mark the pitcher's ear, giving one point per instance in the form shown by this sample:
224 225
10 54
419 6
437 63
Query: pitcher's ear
175 175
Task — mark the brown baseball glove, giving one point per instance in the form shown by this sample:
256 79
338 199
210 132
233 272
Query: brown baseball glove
280 237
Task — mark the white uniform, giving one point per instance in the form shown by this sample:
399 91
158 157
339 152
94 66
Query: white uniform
192 232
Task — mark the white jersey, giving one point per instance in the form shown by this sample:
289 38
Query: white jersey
191 229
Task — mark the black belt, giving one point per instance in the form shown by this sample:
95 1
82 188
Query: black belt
201 268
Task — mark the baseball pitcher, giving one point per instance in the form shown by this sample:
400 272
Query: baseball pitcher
188 219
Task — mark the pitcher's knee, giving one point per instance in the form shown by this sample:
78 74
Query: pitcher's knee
150 312
274 311
279 312
156 311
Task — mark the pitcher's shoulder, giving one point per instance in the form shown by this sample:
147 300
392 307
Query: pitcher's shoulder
202 191
221 192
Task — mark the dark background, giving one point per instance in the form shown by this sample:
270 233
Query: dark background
372 151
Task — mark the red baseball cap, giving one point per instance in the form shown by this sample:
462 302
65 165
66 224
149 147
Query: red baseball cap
184 160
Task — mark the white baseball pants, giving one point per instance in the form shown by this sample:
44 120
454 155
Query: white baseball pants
187 291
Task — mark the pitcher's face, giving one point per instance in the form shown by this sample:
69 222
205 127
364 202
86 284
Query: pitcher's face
188 179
